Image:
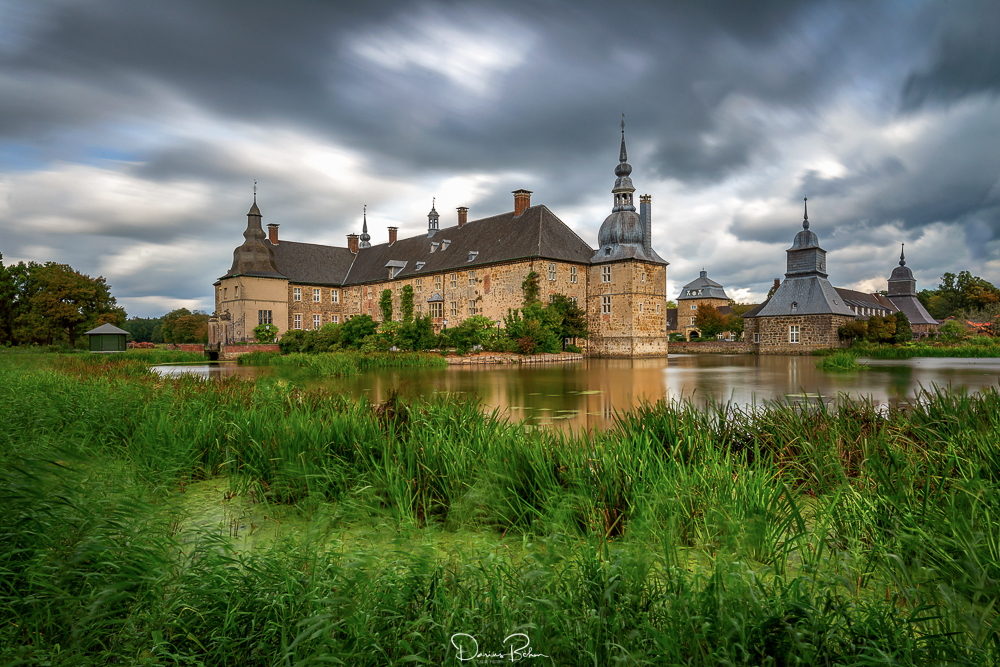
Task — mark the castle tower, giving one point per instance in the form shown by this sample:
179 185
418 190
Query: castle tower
626 301
903 294
432 219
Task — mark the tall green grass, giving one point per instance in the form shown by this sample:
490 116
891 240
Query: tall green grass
767 535
841 360
982 346
342 364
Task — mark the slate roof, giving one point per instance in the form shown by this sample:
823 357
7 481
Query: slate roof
311 263
106 329
914 310
630 251
811 295
756 309
537 232
865 300
707 288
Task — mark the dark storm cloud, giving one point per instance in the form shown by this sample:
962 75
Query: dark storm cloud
965 59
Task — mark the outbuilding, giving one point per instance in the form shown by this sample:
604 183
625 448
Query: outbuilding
107 338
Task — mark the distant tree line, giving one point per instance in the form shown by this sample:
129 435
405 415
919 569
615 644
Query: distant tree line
52 304
177 326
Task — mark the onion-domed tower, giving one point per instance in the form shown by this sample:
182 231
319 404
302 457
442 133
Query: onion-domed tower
627 298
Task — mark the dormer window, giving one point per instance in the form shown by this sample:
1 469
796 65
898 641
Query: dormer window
444 244
472 255
607 251
420 265
434 246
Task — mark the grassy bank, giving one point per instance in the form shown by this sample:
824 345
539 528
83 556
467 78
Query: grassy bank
342 364
977 347
727 536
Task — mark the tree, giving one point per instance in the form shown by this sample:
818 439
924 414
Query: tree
671 304
355 330
855 329
881 329
183 326
407 303
54 301
774 288
904 333
142 329
709 321
733 323
572 319
385 305
953 331
8 305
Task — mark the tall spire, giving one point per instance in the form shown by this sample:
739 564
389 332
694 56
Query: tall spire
432 218
902 260
365 238
805 213
623 184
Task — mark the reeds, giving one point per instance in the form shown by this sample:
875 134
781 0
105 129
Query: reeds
766 535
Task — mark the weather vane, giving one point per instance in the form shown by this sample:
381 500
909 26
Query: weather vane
255 189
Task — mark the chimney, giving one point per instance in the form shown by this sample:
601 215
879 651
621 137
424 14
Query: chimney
522 200
272 233
392 234
777 281
463 215
646 215
352 243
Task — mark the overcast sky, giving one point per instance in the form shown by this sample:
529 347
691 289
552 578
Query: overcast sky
131 132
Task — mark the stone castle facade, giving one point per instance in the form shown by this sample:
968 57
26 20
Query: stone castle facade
475 267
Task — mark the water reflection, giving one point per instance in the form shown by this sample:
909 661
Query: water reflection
586 394
209 371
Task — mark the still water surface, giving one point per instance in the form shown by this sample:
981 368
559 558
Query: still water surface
586 394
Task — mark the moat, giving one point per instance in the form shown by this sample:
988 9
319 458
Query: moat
586 394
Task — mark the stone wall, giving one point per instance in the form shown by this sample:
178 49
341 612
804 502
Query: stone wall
493 358
815 332
686 310
636 325
307 307
243 297
710 347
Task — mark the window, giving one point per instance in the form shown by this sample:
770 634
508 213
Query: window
298 320
297 293
756 338
317 320
454 280
694 307
225 292
420 285
552 271
454 308
437 309
643 277
573 299
605 274
316 296
692 320
657 309
552 297
472 307
640 306
793 333
264 317
572 274
437 282
605 305
335 319
399 288
472 278
371 290
236 292
420 309
334 296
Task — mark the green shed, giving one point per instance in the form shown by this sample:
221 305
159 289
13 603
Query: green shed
107 338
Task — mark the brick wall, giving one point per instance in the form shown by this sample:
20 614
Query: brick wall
230 352
307 307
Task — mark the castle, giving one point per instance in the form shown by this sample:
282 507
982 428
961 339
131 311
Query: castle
474 267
